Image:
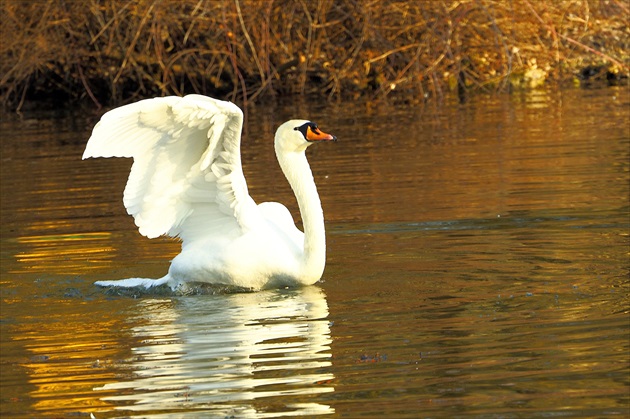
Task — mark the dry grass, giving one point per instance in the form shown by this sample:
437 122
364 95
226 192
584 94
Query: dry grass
115 51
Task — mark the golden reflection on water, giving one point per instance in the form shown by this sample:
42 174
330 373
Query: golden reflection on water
477 264
223 352
60 355
61 254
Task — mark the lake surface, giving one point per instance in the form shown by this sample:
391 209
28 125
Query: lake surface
478 262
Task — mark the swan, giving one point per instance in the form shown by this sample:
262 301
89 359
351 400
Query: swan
186 181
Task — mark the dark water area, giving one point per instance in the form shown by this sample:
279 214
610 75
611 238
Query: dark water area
478 266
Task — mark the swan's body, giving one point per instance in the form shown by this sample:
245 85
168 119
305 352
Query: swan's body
186 181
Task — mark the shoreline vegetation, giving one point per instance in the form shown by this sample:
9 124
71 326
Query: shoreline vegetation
110 52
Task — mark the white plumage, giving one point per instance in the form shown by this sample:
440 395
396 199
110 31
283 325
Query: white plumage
186 181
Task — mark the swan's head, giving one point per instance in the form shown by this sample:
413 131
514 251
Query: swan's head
298 134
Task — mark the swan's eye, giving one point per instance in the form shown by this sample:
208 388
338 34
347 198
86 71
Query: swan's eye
303 129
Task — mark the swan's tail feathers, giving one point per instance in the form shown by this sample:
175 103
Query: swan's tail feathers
135 282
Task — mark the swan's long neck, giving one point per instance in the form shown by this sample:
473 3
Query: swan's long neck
298 173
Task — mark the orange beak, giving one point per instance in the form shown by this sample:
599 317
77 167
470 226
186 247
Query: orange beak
317 135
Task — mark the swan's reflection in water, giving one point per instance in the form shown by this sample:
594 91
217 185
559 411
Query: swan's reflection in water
253 355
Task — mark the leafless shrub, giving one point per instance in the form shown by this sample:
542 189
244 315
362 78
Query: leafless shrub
118 50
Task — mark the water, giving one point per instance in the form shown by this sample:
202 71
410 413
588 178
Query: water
477 267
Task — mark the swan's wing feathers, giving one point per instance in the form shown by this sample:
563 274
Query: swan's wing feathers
186 179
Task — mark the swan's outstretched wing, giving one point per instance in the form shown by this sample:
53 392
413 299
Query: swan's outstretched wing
186 179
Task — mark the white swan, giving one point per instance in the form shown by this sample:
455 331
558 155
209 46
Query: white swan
186 181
